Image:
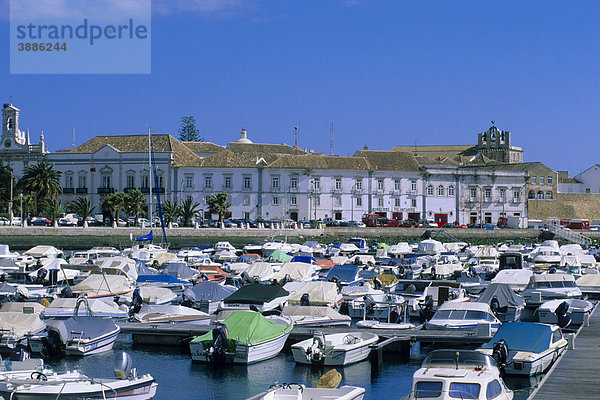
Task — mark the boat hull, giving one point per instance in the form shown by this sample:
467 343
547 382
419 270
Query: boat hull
141 389
85 347
243 354
334 353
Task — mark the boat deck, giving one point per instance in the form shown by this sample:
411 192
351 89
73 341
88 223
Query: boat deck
575 374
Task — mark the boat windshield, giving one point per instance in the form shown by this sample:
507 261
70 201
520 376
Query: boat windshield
457 359
424 389
463 390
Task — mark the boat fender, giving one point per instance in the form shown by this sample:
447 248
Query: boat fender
500 353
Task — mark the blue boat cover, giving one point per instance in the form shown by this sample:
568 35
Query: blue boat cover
142 269
161 279
523 336
345 273
208 291
303 259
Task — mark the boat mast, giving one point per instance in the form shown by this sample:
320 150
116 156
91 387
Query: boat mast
150 174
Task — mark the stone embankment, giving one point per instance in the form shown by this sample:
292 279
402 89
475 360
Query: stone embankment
70 238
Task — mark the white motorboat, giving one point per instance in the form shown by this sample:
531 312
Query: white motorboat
270 247
102 285
6 254
543 287
15 326
504 302
315 316
156 295
517 279
463 317
335 349
170 314
205 296
564 312
245 337
526 348
43 384
314 293
374 324
383 306
300 392
546 255
458 374
400 249
64 308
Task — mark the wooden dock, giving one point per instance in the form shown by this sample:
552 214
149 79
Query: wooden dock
576 374
175 334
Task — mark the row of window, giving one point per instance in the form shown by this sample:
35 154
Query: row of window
441 190
540 195
106 181
487 195
541 179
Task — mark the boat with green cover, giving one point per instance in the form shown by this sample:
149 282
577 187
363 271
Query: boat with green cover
245 337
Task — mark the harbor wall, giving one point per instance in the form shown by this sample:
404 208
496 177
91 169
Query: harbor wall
69 238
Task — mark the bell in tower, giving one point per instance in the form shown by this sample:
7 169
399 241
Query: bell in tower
10 125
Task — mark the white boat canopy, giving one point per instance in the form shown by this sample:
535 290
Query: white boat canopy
22 307
262 270
103 285
43 251
319 293
19 324
298 271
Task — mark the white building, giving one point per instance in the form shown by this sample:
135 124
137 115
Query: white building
587 181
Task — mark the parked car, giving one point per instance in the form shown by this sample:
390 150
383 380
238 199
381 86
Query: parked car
39 221
356 224
67 222
4 221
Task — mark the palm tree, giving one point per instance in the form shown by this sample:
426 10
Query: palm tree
113 203
218 204
81 206
41 181
53 209
189 210
134 203
171 211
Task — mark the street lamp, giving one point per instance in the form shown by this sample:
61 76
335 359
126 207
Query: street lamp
21 197
10 201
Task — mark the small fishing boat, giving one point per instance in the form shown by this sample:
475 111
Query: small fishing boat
245 337
463 317
384 306
458 374
334 349
374 324
63 308
545 287
526 348
301 392
46 385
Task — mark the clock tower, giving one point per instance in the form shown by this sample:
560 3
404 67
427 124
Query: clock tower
12 137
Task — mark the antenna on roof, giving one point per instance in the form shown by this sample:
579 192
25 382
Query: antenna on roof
73 136
331 138
296 136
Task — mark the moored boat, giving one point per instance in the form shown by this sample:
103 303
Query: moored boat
245 337
335 349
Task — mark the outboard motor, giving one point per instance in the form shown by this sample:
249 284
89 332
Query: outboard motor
369 303
219 345
427 308
411 289
67 293
561 315
500 354
245 278
53 278
334 279
41 274
305 300
287 278
136 302
123 365
203 278
552 270
495 305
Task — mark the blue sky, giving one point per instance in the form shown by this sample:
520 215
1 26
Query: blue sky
386 73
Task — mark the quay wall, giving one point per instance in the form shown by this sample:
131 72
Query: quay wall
69 238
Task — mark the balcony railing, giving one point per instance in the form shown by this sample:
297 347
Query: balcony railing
145 190
106 190
81 190
129 189
68 190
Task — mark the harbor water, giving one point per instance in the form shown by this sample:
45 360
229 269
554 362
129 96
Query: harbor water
179 378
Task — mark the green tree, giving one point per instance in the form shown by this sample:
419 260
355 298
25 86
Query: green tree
171 211
189 210
218 204
28 205
188 131
82 206
134 203
53 208
41 181
5 177
113 204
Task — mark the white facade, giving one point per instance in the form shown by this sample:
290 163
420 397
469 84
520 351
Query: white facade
587 181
